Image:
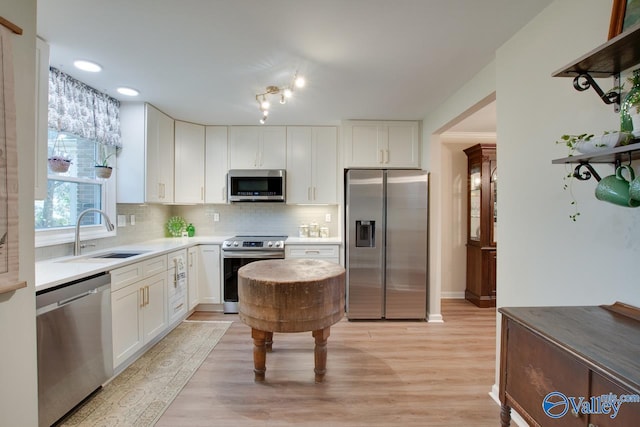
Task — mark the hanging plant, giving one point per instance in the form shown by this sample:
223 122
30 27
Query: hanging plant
102 168
59 161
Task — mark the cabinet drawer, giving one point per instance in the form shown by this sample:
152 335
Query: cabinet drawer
534 368
123 276
309 251
154 265
628 412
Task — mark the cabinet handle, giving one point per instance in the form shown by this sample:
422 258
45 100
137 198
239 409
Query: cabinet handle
314 193
380 156
201 193
141 297
387 156
308 193
147 293
190 259
159 191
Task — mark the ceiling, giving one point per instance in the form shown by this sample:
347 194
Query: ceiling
205 60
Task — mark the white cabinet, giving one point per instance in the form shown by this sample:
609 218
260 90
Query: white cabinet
326 252
42 104
215 164
209 290
258 147
189 162
146 162
192 277
312 156
177 286
387 144
139 306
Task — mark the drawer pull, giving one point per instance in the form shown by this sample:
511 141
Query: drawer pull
311 252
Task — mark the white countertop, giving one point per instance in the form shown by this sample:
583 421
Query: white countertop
56 271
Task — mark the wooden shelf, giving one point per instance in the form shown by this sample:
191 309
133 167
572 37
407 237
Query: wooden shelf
612 155
618 54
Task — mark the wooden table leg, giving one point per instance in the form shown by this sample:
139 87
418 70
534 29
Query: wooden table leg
259 353
320 352
268 341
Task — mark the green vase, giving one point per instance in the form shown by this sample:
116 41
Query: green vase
632 100
191 230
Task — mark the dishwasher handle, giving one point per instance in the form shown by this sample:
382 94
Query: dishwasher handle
77 297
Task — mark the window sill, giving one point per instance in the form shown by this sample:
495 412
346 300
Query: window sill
67 235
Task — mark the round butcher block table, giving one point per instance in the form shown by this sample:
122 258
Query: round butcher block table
290 295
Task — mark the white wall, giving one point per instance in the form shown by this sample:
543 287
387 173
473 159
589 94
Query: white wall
545 258
18 381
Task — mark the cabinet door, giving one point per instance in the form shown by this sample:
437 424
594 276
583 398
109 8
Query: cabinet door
192 277
324 170
273 147
154 306
209 275
364 144
189 162
126 322
216 164
299 154
159 156
403 145
244 147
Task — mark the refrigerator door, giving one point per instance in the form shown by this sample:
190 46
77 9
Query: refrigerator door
406 245
365 244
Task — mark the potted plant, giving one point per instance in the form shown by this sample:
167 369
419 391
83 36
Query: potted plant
102 168
59 161
630 108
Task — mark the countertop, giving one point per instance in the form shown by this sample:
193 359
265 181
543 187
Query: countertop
56 271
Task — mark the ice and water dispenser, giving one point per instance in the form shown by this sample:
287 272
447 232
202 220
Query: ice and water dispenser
365 234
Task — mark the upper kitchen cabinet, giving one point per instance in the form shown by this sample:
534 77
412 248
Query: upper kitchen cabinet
381 144
215 164
312 155
258 147
146 161
189 162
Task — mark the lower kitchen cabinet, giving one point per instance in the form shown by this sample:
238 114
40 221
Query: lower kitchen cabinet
325 252
139 314
209 275
192 277
552 357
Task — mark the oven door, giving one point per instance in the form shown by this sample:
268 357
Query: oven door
233 260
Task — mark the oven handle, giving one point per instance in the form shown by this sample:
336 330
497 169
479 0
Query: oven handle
253 254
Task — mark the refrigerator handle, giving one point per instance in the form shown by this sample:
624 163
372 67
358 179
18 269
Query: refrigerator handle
365 234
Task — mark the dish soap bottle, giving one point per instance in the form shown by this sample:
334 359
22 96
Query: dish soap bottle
191 230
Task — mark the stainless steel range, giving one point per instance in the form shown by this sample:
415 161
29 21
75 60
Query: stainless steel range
239 251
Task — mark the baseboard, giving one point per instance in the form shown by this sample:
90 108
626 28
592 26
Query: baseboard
435 318
452 295
515 417
209 307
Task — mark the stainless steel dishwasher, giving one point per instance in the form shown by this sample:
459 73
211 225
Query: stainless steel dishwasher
74 344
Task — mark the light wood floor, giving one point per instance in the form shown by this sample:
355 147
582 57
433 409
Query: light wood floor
383 373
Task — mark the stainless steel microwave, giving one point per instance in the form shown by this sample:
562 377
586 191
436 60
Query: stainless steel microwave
256 185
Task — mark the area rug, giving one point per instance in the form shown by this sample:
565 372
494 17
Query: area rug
143 391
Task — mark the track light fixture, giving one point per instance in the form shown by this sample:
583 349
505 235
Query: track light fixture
284 92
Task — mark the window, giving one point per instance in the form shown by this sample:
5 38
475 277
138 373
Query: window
71 192
83 132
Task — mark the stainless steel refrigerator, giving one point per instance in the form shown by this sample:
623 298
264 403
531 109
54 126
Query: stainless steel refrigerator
386 235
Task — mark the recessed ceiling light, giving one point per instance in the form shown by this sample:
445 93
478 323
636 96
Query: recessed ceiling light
127 91
83 65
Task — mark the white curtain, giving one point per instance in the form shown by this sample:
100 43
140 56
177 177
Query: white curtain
81 110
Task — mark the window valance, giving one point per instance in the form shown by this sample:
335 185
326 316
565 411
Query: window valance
81 110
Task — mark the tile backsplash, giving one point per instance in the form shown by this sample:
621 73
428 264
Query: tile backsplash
241 218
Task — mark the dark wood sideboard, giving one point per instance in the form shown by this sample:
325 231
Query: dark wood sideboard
586 352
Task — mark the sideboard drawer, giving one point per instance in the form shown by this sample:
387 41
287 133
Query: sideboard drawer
535 368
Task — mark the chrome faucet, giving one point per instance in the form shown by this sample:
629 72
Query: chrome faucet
107 223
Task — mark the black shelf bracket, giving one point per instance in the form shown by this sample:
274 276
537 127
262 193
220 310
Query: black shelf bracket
584 81
585 175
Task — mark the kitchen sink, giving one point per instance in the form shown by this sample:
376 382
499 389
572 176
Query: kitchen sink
118 255
106 257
